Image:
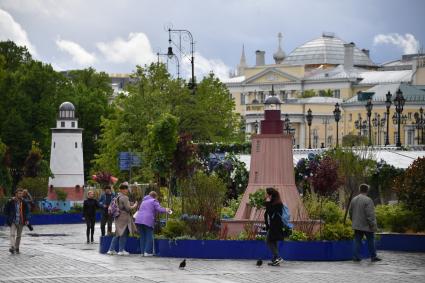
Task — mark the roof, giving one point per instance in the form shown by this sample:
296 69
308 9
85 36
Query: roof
234 80
410 93
67 106
326 49
365 76
319 99
272 100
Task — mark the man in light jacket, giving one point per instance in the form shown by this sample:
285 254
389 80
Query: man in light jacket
362 215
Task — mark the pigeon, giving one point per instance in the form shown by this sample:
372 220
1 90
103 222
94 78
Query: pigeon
182 264
259 263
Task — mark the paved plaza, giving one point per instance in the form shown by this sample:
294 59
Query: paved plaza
58 253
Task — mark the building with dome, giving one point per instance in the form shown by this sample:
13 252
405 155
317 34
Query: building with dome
317 75
66 155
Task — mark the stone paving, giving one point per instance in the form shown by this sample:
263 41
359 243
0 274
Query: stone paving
66 258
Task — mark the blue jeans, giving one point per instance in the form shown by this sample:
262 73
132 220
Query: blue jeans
370 238
146 238
122 240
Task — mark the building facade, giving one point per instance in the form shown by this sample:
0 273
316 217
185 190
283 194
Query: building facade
316 76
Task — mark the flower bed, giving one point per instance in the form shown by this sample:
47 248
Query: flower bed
60 218
231 249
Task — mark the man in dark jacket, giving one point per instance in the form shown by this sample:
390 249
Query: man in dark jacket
362 215
17 214
89 213
104 202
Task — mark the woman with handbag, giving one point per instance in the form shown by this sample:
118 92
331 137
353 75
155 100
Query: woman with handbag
274 224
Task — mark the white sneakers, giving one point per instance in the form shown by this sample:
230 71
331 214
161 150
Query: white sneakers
146 254
123 253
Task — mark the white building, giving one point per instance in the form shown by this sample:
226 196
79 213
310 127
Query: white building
66 154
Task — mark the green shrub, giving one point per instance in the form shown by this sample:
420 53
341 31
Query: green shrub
298 236
328 210
331 213
336 232
229 211
257 199
397 218
174 228
61 195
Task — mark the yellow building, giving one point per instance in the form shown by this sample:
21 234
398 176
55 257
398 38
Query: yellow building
316 76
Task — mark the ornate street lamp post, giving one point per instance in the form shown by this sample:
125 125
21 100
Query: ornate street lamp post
309 120
369 107
287 124
358 124
399 104
337 115
191 59
170 56
379 123
421 111
388 105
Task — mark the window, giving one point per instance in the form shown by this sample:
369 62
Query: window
261 94
409 115
350 117
337 93
73 124
76 145
283 95
54 145
63 124
242 99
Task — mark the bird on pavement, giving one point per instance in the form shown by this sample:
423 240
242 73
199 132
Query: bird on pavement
259 263
182 264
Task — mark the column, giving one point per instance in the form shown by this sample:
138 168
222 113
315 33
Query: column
301 135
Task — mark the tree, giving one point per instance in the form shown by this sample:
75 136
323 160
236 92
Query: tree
308 93
5 178
410 187
354 166
382 180
325 179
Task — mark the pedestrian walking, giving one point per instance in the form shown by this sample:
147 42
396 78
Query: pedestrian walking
274 224
90 206
124 224
17 214
145 221
104 202
362 215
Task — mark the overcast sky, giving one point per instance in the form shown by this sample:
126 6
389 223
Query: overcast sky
114 36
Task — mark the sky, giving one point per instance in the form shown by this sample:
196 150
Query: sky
115 36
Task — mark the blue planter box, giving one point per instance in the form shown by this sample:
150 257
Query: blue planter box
402 242
226 249
46 219
132 246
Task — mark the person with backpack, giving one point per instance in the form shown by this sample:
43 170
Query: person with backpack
90 206
274 217
17 214
104 201
120 209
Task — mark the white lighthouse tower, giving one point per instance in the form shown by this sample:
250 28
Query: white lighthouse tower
66 155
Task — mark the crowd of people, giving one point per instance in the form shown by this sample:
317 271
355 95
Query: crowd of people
118 209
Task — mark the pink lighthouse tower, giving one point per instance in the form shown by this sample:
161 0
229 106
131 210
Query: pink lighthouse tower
271 166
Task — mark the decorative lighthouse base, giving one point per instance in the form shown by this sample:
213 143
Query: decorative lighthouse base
271 166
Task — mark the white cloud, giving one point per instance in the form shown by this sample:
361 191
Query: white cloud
44 7
11 30
136 50
79 54
408 42
204 66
